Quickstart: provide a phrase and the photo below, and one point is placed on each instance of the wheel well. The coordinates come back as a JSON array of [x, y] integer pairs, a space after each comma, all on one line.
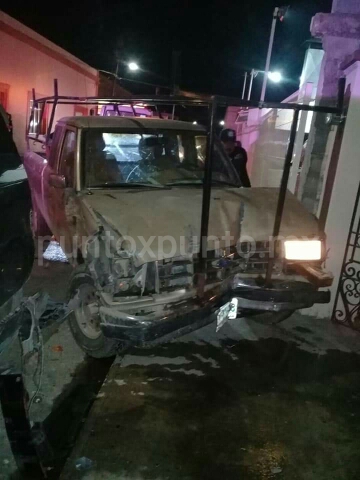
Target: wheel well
[[79, 258]]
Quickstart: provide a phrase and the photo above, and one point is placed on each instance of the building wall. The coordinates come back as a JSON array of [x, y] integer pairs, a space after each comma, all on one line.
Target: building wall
[[344, 189], [339, 32], [345, 6], [28, 60]]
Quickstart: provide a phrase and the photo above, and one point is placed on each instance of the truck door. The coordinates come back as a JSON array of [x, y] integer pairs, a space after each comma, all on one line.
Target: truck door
[[61, 189], [48, 170]]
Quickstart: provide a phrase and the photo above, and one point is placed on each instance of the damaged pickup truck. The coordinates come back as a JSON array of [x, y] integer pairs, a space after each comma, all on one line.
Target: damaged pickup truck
[[124, 198]]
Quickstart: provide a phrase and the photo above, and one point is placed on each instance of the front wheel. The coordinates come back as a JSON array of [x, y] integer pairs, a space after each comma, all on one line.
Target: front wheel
[[84, 321]]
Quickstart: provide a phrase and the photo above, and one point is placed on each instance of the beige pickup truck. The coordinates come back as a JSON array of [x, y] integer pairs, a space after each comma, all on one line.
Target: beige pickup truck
[[124, 198]]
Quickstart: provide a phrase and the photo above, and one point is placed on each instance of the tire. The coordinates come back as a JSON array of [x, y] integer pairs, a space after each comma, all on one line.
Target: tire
[[83, 325], [270, 318]]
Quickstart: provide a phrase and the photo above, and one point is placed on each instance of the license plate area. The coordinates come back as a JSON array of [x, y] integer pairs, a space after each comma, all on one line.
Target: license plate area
[[226, 312]]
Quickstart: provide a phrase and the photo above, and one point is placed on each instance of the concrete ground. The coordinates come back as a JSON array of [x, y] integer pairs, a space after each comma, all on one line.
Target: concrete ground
[[248, 402]]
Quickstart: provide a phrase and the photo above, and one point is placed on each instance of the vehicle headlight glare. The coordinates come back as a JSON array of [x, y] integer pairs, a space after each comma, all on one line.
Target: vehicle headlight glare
[[302, 249]]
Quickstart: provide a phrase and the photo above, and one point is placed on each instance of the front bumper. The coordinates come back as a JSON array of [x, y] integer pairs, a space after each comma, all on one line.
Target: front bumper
[[185, 316]]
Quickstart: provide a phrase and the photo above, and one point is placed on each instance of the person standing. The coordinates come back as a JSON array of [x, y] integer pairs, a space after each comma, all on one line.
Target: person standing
[[236, 153]]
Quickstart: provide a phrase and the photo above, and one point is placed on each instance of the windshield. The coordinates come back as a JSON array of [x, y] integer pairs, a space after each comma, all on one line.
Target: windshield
[[159, 158]]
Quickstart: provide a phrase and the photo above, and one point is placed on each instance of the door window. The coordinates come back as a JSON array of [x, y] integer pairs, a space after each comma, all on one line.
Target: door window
[[67, 158]]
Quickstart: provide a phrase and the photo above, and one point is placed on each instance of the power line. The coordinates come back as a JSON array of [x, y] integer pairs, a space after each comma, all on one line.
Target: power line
[[135, 81]]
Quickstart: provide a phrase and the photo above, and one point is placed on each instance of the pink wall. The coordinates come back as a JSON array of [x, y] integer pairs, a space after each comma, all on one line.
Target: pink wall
[[28, 61]]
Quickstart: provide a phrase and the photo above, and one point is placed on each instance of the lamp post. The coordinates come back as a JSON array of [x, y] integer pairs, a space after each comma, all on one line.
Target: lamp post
[[275, 77], [253, 74], [279, 13]]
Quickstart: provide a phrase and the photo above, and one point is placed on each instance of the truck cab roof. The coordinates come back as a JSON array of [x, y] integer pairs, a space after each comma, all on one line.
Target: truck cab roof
[[128, 122]]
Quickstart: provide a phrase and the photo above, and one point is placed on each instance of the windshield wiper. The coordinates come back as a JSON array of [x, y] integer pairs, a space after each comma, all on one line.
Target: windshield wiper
[[198, 181], [225, 182], [128, 185], [186, 181]]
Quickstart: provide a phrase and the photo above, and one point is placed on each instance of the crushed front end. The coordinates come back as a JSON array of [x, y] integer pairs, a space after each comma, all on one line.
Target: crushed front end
[[141, 303]]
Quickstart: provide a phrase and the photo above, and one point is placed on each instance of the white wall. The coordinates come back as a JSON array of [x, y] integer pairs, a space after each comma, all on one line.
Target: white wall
[[28, 61], [344, 189]]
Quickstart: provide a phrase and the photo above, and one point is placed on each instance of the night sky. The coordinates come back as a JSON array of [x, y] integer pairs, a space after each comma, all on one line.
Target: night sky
[[217, 43]]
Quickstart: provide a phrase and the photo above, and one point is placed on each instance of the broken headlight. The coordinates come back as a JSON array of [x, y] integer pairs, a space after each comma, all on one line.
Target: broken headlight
[[152, 277], [127, 279], [131, 280]]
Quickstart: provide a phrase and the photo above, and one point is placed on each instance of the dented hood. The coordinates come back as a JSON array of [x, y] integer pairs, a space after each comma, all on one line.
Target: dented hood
[[242, 212]]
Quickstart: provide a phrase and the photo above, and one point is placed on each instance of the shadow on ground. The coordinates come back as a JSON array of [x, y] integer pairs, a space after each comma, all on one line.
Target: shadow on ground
[[251, 409]]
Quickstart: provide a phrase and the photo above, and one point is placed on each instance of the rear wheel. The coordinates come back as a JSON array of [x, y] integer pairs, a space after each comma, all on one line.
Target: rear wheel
[[84, 321]]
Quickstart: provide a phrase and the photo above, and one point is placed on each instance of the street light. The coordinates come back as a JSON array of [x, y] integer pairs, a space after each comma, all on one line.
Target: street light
[[278, 14], [133, 66], [275, 77], [222, 123]]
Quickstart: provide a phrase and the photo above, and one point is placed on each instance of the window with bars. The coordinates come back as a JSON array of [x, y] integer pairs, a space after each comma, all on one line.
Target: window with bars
[[4, 95]]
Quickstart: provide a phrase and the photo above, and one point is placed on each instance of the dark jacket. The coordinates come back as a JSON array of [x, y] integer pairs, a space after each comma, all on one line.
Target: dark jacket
[[239, 160]]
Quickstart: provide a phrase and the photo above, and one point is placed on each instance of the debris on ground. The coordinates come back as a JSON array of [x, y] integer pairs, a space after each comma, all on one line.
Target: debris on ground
[[54, 253], [120, 383], [84, 463], [57, 348]]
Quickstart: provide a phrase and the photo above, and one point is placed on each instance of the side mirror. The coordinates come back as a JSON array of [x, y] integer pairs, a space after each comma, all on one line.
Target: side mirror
[[57, 181]]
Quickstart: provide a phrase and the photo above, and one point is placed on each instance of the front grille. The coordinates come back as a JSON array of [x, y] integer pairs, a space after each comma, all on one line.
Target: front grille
[[175, 273], [253, 261], [179, 272]]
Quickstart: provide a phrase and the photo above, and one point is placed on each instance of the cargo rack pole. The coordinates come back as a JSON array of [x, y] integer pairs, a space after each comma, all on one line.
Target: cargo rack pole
[[282, 194], [56, 96], [211, 102], [31, 118], [206, 200]]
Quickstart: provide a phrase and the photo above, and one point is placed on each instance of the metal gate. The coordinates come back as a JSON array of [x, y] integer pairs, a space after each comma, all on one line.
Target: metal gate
[[347, 301]]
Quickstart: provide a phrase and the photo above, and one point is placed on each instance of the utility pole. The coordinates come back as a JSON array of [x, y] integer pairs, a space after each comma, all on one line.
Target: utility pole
[[118, 54], [269, 52], [115, 78], [279, 13], [175, 74], [244, 86]]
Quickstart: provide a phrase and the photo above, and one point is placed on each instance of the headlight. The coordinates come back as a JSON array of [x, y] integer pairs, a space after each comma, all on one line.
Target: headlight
[[302, 249]]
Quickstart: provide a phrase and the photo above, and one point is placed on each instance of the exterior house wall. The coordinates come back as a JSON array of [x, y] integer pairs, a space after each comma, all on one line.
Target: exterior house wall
[[345, 187], [345, 6], [340, 35], [28, 60]]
